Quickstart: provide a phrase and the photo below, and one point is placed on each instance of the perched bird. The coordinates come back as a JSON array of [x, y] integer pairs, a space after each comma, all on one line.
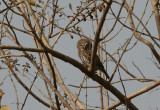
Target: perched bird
[[84, 47]]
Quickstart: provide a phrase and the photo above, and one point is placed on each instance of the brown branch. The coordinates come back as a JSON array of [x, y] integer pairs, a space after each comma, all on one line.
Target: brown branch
[[136, 79], [31, 29], [138, 69], [83, 86], [78, 65], [117, 17], [144, 26], [137, 36], [25, 87], [98, 31], [77, 96], [43, 75], [54, 79], [130, 74], [15, 90], [28, 92], [118, 62], [156, 14], [49, 83], [135, 94]]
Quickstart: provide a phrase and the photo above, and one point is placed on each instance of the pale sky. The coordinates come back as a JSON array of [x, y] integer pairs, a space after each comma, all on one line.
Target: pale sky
[[140, 55]]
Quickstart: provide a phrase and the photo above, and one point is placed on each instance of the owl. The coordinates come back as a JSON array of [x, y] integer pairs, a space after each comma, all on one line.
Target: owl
[[84, 47]]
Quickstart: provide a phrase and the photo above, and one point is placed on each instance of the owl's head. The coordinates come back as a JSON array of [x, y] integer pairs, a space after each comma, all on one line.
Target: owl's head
[[84, 44]]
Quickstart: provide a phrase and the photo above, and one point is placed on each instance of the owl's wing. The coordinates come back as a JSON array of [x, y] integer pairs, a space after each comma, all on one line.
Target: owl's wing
[[85, 56], [100, 66]]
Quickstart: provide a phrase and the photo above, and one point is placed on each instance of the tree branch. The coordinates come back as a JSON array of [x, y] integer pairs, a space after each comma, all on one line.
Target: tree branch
[[156, 14], [98, 31], [135, 94], [137, 36], [78, 65]]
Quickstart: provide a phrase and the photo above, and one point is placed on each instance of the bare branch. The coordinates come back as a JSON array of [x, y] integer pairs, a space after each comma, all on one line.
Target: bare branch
[[155, 4], [135, 94], [75, 63], [98, 31]]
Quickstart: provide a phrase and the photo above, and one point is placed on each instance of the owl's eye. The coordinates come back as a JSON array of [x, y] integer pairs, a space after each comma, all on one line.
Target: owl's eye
[[88, 46]]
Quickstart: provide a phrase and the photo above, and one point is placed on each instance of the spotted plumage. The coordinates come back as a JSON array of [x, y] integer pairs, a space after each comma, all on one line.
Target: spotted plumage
[[84, 47]]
